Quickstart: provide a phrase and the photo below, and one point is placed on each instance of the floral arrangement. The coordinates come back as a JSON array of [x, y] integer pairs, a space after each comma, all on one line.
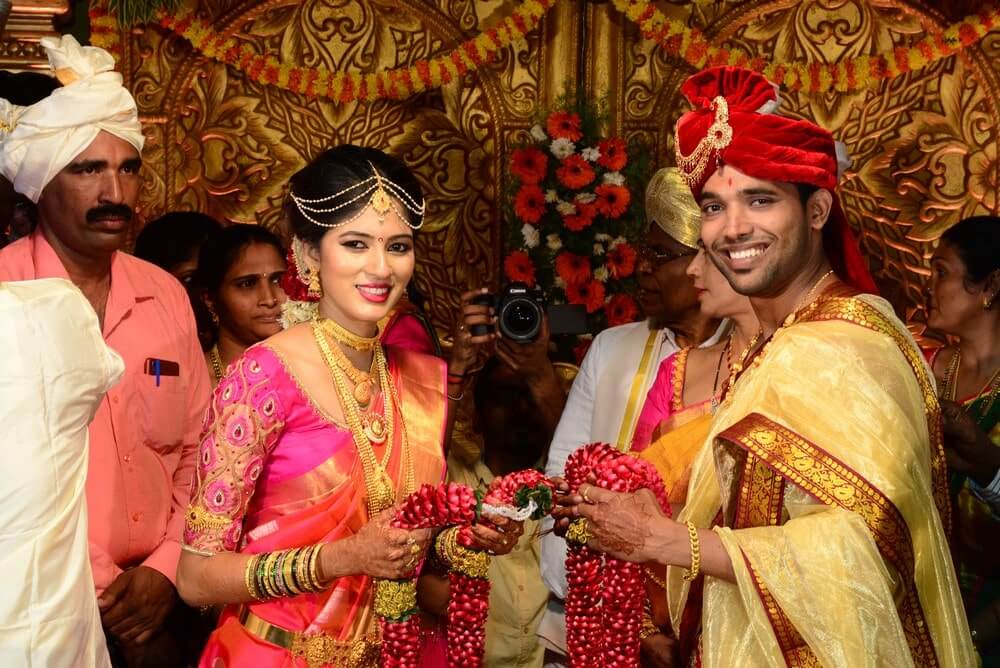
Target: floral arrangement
[[575, 213], [604, 601], [519, 495]]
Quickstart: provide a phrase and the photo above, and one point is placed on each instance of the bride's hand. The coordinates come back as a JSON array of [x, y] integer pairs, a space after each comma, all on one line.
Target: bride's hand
[[382, 551], [501, 539]]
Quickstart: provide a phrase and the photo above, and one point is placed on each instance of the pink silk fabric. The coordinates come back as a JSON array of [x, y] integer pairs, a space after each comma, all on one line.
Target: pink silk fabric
[[274, 473], [659, 404]]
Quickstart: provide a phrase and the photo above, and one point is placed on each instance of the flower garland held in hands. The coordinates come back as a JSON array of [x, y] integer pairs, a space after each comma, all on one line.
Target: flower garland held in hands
[[575, 215], [341, 87], [519, 496], [605, 598]]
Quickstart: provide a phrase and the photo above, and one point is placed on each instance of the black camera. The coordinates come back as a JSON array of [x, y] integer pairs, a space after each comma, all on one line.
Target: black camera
[[520, 310]]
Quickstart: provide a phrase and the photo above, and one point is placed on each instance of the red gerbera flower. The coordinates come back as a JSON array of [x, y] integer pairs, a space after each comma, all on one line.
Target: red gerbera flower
[[577, 223], [573, 268], [612, 201], [519, 267], [564, 125], [621, 260], [621, 309], [529, 203], [613, 155], [575, 172], [580, 350], [528, 164], [586, 209], [589, 293]]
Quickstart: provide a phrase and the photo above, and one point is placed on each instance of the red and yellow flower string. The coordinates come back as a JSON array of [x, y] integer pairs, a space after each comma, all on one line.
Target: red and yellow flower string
[[343, 87], [691, 45]]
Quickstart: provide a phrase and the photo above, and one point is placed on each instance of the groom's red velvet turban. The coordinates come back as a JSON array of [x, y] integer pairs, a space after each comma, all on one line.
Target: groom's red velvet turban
[[733, 124]]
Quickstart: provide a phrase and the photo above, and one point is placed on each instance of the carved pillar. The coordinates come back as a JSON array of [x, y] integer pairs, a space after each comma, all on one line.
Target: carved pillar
[[28, 22]]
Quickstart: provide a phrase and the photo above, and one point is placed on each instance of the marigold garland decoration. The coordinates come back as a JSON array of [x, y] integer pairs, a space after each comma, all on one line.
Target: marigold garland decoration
[[342, 87], [673, 36], [604, 601], [691, 45], [574, 215]]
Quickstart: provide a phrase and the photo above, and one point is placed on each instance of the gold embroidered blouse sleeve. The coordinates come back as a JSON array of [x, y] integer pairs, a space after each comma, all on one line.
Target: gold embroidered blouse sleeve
[[243, 423]]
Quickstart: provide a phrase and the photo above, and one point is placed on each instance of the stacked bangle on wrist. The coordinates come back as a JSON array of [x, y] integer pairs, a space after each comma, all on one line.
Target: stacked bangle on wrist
[[283, 573]]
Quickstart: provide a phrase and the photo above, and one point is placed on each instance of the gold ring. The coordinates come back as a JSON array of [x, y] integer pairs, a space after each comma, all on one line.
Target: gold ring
[[414, 549], [579, 531], [585, 497]]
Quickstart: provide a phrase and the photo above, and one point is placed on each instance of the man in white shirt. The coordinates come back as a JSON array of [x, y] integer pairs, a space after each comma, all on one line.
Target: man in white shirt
[[55, 373], [608, 394]]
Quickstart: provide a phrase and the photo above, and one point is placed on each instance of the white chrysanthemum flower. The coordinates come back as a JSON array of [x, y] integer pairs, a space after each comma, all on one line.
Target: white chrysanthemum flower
[[553, 242], [585, 198], [538, 133], [614, 178], [601, 274], [602, 237], [551, 196], [566, 208], [562, 148], [293, 312], [591, 154], [531, 235], [598, 249]]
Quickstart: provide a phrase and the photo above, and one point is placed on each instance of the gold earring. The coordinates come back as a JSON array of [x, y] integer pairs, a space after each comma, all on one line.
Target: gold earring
[[315, 288], [988, 302]]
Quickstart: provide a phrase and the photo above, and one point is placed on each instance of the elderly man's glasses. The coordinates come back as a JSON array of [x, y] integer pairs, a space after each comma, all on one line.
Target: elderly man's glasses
[[658, 256]]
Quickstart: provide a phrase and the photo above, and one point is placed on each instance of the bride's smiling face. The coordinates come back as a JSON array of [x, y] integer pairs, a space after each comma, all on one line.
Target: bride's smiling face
[[364, 267]]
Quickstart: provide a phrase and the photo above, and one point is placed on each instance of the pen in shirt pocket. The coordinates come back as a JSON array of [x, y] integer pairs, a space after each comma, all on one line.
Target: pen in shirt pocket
[[157, 367]]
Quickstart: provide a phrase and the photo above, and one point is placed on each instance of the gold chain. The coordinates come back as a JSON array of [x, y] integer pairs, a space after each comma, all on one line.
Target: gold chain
[[381, 491], [216, 358], [949, 383], [341, 335]]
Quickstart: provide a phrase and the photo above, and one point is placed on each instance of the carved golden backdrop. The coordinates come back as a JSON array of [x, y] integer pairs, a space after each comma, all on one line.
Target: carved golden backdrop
[[924, 144]]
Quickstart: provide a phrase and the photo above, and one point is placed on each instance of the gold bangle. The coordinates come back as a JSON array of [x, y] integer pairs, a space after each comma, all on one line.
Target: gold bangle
[[441, 544], [692, 573], [288, 571], [313, 570], [474, 563], [250, 578], [267, 577], [648, 627]]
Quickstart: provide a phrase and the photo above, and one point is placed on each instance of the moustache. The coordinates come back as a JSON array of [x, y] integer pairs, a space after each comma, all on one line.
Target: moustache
[[110, 211]]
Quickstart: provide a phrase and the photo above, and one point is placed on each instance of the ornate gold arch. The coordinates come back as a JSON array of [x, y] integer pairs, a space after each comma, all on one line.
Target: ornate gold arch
[[924, 145]]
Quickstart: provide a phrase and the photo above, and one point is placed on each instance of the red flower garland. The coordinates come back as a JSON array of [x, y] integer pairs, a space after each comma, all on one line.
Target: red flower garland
[[606, 635], [454, 504]]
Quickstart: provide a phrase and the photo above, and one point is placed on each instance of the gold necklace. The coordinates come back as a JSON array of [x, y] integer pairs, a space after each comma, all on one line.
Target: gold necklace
[[737, 368], [950, 383], [364, 382], [341, 335], [216, 358], [378, 484], [374, 425]]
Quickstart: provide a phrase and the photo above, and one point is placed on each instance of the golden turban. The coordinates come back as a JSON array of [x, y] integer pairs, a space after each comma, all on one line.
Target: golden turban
[[671, 206]]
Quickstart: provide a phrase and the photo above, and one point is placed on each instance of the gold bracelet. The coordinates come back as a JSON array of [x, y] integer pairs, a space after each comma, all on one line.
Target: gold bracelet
[[288, 571], [648, 627], [313, 570], [301, 566], [692, 573], [250, 578], [441, 544], [267, 577], [474, 563]]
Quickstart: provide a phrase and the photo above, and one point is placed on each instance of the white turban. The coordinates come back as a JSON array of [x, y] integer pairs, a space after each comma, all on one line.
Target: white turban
[[37, 142]]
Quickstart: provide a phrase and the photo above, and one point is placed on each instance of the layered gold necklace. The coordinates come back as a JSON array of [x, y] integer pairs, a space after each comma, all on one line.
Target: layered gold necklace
[[368, 428], [949, 383]]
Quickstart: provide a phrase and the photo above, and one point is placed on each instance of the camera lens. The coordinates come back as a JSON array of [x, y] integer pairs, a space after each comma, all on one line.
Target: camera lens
[[520, 319]]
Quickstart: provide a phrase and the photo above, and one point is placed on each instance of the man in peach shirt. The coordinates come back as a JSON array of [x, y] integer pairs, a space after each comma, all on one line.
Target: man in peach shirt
[[82, 171]]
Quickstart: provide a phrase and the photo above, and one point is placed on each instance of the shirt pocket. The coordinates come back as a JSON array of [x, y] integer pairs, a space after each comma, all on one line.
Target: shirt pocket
[[162, 412]]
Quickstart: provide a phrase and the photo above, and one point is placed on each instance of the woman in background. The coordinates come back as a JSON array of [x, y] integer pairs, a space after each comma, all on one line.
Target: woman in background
[[238, 281], [963, 304]]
